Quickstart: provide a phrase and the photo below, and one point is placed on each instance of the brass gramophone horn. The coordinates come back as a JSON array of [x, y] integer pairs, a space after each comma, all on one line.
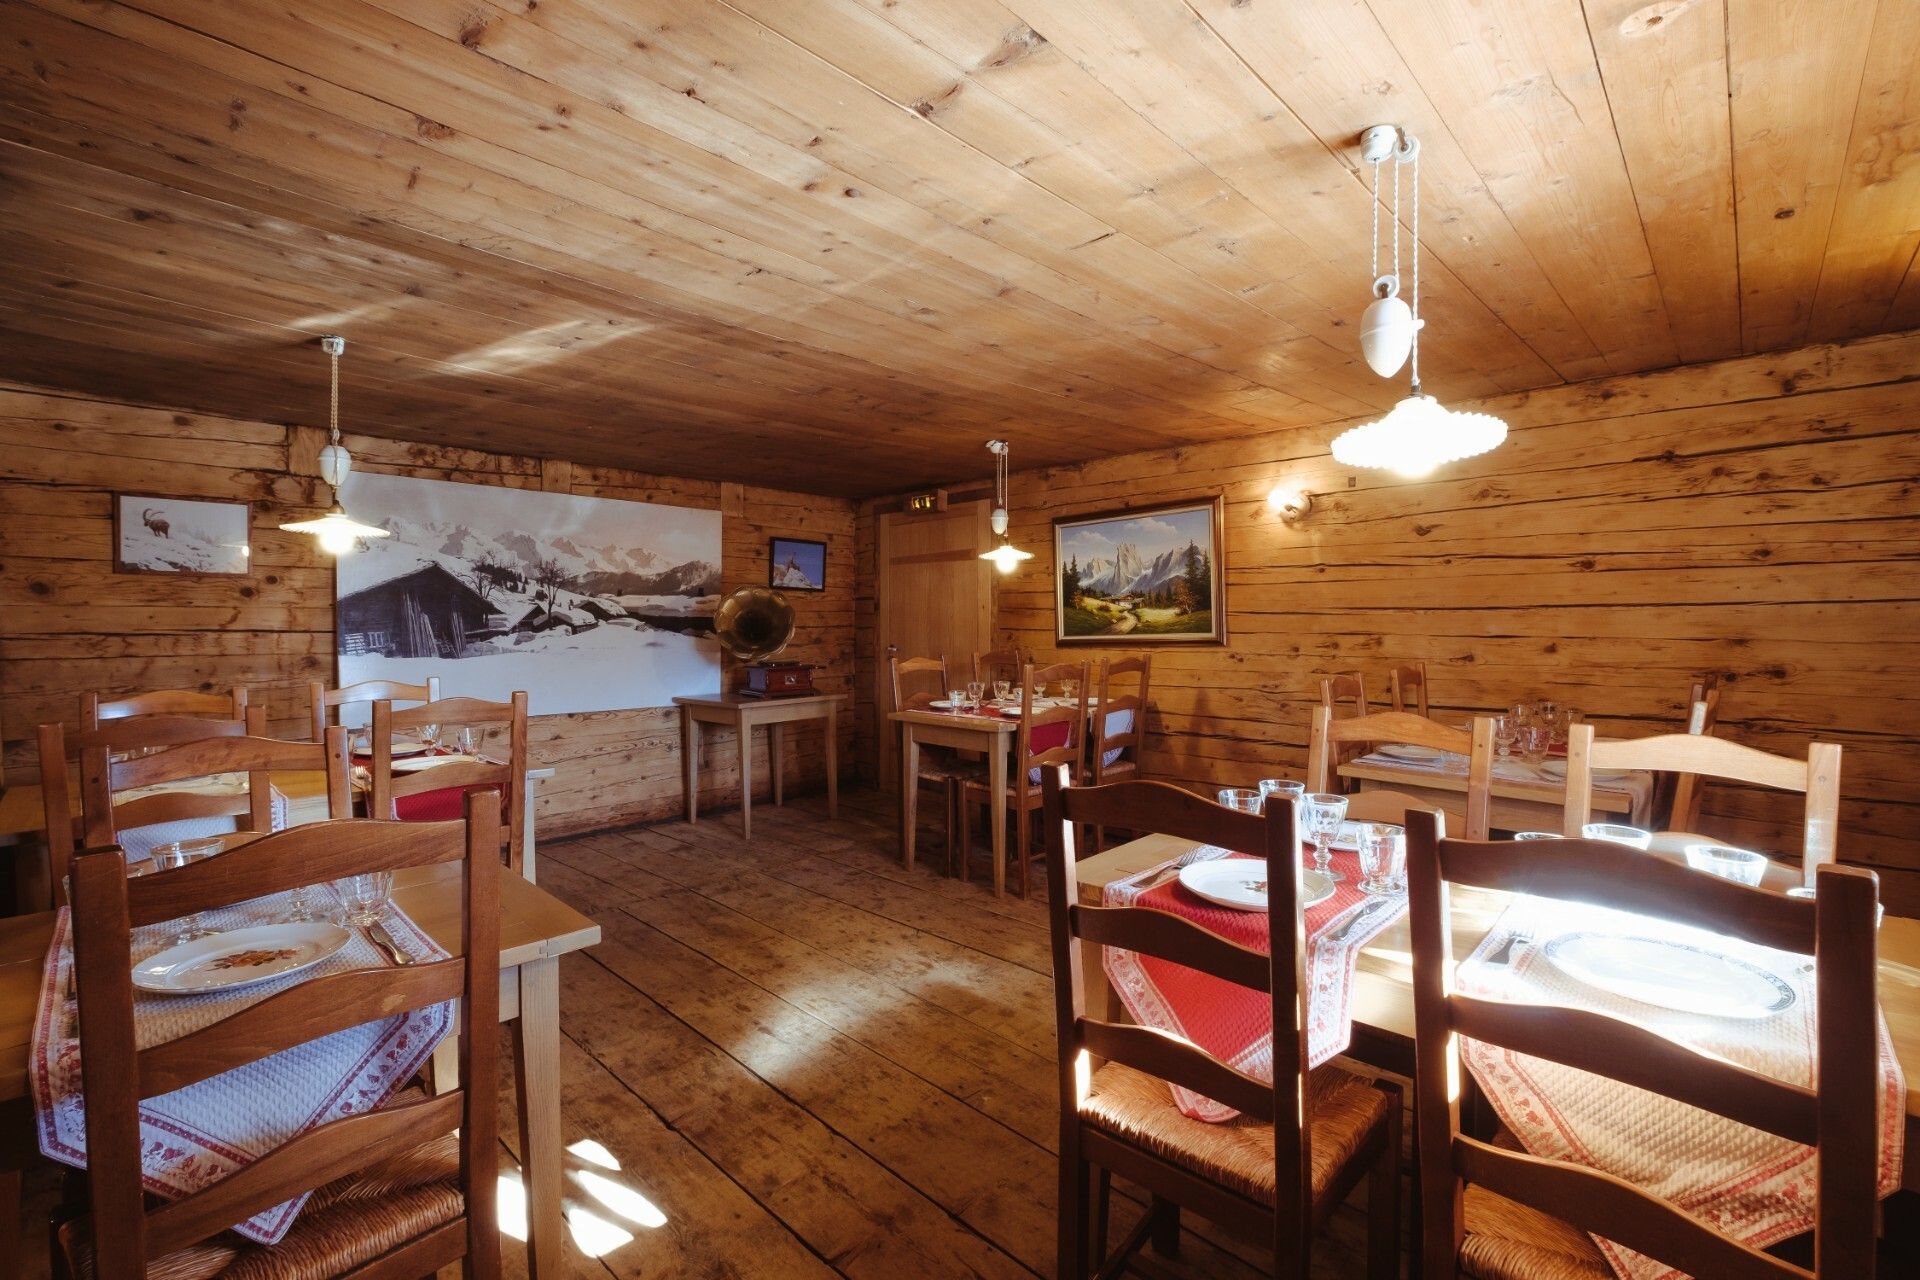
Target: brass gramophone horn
[[754, 623]]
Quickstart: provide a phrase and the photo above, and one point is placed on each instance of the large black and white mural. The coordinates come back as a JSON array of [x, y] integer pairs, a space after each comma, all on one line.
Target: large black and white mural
[[589, 604]]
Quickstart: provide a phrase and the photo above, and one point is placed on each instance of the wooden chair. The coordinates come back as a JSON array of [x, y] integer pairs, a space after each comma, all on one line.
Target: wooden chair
[[1264, 1173], [402, 1190], [1696, 757], [163, 702], [1350, 688], [1114, 752], [1046, 737], [1526, 1215], [325, 699], [1348, 691], [508, 776], [1702, 718], [1407, 688], [938, 765], [1329, 739], [161, 743], [998, 664]]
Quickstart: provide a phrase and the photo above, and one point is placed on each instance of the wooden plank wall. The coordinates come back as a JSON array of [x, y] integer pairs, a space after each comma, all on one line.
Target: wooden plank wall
[[69, 623], [1759, 517]]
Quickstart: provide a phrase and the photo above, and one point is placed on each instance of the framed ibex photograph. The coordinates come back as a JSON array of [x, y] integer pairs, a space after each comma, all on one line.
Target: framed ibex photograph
[[154, 534]]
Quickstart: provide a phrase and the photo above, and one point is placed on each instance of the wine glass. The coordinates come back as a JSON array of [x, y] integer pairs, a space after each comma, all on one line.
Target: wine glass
[[1325, 812], [176, 854], [1070, 688], [976, 691], [1506, 731], [1002, 690]]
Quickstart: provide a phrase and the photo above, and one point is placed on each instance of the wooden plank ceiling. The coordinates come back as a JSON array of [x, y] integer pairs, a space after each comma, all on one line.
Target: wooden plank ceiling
[[837, 244]]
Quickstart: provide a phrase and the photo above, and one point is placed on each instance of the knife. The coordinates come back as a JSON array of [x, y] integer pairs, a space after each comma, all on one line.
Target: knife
[[384, 940]]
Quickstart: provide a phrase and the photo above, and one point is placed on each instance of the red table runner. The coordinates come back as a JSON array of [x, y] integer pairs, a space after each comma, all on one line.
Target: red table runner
[[1231, 1022]]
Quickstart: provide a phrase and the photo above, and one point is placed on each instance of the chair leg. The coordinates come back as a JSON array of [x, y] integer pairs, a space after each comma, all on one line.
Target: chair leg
[[965, 811], [1166, 1227], [1076, 1227], [1383, 1201], [1102, 1205], [1023, 832]]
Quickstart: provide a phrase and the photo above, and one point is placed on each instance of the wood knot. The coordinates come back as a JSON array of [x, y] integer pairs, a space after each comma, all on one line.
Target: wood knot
[[473, 32]]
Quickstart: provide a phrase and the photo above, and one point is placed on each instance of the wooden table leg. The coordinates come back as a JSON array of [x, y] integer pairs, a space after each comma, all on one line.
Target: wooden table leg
[[746, 779], [909, 793], [529, 860], [997, 807], [776, 761], [690, 761], [536, 1053], [833, 760]]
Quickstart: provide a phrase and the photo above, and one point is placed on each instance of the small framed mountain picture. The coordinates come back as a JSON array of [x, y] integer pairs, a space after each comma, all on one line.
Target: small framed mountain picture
[[795, 564], [1150, 575], [180, 535]]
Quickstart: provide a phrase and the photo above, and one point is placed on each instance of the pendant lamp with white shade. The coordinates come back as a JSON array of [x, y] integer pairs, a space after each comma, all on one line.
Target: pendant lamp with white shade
[[336, 530], [1006, 557], [1418, 434]]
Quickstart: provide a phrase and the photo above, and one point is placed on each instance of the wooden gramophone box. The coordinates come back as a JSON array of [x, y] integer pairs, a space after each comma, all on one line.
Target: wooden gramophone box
[[779, 679]]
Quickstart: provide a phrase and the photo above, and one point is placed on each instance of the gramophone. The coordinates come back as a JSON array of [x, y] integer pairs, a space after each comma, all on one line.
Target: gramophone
[[753, 624]]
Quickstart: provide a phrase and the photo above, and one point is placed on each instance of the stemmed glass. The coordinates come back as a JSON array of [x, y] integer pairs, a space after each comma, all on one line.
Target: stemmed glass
[[177, 854], [975, 692], [1506, 732], [1325, 812], [1002, 690]]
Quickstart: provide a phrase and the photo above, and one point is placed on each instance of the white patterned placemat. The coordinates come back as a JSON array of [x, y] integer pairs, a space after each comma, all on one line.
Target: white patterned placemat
[[198, 1135]]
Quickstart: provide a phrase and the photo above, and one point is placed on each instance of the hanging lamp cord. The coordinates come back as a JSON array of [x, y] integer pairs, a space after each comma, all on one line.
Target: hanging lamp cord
[[1416, 255]]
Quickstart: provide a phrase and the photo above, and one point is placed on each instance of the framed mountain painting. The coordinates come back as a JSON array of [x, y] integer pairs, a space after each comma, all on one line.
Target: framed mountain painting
[[1150, 575]]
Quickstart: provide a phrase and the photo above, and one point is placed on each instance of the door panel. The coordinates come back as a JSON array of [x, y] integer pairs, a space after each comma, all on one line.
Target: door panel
[[934, 595]]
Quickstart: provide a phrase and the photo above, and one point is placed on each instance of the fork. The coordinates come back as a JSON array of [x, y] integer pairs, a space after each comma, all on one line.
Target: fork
[[1517, 938]]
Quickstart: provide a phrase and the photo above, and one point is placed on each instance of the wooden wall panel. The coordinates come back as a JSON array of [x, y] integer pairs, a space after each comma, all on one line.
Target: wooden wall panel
[[69, 623], [1759, 517]]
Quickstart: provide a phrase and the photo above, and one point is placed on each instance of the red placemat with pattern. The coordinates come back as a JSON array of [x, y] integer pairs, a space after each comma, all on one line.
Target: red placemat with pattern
[[1229, 1021]]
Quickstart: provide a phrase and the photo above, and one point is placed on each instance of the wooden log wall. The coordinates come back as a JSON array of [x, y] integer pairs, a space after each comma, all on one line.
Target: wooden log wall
[[1757, 517], [68, 623]]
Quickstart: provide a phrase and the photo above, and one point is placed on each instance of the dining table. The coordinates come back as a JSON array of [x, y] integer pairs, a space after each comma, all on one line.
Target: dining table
[[23, 820], [536, 929], [1525, 795], [1381, 999]]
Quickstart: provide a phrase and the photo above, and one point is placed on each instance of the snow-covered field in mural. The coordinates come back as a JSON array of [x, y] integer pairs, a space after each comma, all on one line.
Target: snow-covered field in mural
[[589, 604]]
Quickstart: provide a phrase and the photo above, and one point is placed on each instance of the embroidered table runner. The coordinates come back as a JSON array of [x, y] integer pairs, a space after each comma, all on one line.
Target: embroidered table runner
[[1752, 1185], [1231, 1022], [198, 1135]]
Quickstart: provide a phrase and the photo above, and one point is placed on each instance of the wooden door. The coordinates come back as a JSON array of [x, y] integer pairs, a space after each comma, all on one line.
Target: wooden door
[[934, 595]]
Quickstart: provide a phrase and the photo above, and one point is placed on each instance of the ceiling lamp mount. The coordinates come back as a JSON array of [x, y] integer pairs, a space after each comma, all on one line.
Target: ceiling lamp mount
[[1006, 557], [337, 531], [1418, 434]]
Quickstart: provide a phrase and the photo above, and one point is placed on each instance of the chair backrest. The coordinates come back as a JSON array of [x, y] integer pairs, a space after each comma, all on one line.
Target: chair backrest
[[999, 664], [1350, 688], [1696, 757], [323, 699], [1407, 688], [156, 749], [508, 776], [1118, 705], [1330, 741], [163, 702], [117, 1074], [1066, 745], [1157, 807], [901, 672], [1375, 805], [1838, 1118], [1703, 715]]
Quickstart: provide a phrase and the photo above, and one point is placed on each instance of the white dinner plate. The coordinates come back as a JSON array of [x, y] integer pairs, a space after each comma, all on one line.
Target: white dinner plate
[[409, 748], [1673, 975], [1241, 883], [238, 958], [1407, 751], [1554, 768], [428, 762]]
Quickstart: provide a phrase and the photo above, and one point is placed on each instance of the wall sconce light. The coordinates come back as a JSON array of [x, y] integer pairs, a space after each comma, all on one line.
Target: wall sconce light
[[1291, 504]]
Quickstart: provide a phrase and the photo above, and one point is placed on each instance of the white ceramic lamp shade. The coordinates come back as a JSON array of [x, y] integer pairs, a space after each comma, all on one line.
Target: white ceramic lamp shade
[[1386, 334]]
